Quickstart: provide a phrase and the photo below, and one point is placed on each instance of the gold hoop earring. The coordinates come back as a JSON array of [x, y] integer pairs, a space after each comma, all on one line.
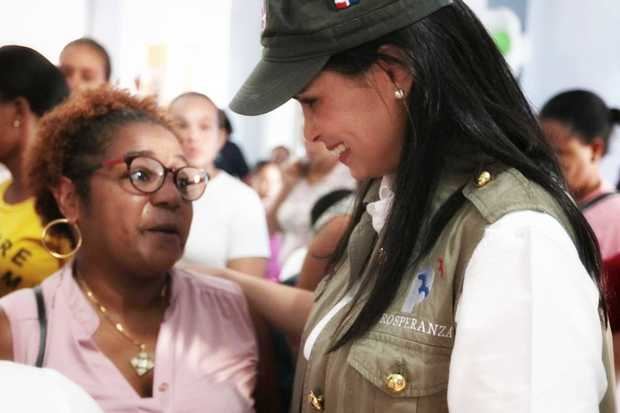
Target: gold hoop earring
[[74, 228], [399, 94]]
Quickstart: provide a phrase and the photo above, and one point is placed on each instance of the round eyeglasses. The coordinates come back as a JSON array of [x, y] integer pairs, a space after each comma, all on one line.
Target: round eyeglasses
[[148, 175]]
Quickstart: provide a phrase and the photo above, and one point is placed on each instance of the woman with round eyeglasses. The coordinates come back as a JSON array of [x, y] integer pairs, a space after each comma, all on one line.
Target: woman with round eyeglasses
[[134, 331]]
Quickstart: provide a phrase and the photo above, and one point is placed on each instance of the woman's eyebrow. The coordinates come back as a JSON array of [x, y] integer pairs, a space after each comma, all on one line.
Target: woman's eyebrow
[[151, 154], [140, 153]]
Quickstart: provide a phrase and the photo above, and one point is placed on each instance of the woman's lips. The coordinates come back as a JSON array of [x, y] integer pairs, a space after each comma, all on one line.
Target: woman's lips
[[341, 152], [165, 231]]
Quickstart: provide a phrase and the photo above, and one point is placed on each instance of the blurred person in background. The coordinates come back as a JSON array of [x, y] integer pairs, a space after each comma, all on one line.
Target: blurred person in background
[[578, 125], [329, 218], [280, 155], [136, 332], [230, 158], [86, 64], [229, 228], [304, 182], [30, 86], [266, 179]]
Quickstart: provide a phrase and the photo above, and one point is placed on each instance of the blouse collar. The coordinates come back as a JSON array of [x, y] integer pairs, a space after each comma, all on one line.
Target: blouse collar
[[379, 210], [78, 304]]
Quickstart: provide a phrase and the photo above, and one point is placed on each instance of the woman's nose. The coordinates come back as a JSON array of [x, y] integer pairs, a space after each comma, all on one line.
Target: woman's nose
[[311, 132]]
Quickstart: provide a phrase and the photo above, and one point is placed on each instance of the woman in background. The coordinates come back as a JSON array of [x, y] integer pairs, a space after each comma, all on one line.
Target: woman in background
[[266, 180], [229, 228], [304, 182], [30, 86], [230, 157], [86, 64], [578, 125]]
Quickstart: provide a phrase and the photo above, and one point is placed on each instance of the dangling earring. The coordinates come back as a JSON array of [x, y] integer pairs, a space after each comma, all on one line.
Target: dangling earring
[[399, 94], [17, 123], [76, 232]]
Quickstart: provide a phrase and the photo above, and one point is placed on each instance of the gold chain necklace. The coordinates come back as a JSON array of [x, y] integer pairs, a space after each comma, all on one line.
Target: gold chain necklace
[[144, 361]]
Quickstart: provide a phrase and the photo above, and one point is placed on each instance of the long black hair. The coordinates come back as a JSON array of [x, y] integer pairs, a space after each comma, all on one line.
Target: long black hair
[[465, 107], [583, 112], [27, 74]]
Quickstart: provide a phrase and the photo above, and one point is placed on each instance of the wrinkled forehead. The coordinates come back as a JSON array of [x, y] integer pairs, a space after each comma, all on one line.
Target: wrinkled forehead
[[149, 139]]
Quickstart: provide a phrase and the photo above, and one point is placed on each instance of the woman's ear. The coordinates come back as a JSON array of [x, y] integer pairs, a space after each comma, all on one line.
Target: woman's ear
[[598, 149], [26, 119], [396, 68], [22, 108], [67, 199]]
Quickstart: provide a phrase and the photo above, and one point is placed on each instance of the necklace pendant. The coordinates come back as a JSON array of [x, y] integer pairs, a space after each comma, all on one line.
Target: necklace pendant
[[143, 362]]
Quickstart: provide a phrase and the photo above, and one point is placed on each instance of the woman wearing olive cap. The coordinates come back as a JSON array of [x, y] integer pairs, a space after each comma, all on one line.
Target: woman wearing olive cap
[[468, 279]]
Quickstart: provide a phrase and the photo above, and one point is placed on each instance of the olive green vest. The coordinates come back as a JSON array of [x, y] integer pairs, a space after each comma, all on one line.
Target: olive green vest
[[401, 364]]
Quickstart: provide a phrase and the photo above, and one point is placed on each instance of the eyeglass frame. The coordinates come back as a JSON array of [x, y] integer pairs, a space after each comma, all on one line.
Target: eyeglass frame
[[129, 158]]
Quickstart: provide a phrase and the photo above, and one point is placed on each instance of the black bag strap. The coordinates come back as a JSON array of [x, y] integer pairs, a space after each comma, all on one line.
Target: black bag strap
[[41, 313], [596, 200]]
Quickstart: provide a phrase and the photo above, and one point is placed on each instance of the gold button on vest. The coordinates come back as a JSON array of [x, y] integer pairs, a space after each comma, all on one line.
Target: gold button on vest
[[316, 401], [395, 383], [483, 179]]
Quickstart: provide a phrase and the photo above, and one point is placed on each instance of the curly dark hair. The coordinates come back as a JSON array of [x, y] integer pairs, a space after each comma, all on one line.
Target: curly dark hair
[[73, 138]]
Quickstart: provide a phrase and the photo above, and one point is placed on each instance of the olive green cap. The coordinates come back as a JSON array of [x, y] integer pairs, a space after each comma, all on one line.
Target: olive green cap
[[300, 36]]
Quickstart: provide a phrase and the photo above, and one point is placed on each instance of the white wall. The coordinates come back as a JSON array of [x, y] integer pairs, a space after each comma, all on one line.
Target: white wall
[[42, 24], [206, 46], [260, 133]]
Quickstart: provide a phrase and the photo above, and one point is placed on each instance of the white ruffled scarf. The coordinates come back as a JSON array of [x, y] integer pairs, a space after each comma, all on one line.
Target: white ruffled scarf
[[379, 210]]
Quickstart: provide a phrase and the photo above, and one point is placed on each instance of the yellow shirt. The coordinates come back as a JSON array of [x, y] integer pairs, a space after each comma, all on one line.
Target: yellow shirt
[[24, 262]]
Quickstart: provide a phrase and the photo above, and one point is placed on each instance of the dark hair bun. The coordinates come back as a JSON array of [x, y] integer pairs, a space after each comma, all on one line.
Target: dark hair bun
[[614, 115]]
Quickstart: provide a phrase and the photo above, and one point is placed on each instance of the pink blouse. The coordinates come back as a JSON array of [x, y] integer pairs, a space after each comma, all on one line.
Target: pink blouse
[[604, 218], [206, 353]]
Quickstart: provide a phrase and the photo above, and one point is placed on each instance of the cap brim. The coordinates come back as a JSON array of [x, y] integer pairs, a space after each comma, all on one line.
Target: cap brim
[[271, 84]]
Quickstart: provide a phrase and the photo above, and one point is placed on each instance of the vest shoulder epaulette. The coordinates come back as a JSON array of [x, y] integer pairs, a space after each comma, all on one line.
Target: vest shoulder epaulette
[[510, 191]]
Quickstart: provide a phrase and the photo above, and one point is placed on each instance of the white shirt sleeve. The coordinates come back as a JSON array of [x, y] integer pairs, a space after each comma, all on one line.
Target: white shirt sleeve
[[29, 389], [249, 237], [528, 336], [74, 398]]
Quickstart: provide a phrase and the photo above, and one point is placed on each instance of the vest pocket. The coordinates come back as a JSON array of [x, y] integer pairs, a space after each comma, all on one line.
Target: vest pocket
[[404, 375]]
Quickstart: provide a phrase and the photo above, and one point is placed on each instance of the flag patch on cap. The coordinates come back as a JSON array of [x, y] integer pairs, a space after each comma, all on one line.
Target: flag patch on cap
[[345, 4]]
